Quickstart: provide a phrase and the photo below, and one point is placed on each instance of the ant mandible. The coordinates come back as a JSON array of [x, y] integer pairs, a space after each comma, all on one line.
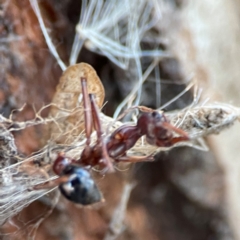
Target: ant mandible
[[75, 182]]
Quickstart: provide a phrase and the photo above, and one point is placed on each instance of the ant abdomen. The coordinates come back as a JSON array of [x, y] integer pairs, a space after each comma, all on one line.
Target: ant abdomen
[[80, 187]]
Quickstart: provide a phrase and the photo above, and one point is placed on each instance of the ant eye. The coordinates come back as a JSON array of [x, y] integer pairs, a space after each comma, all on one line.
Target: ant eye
[[156, 115]]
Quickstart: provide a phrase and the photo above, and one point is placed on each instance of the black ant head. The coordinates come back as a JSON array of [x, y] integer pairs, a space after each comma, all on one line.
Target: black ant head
[[80, 188]]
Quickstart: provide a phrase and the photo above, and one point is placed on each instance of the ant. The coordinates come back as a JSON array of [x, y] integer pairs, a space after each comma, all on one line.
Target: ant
[[75, 182]]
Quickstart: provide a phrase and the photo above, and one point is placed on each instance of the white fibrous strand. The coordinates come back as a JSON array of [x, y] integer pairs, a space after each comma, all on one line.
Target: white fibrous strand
[[203, 120], [17, 180], [115, 29]]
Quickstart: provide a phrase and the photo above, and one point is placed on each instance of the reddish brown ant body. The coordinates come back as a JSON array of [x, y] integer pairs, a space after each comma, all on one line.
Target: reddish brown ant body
[[152, 124], [75, 182]]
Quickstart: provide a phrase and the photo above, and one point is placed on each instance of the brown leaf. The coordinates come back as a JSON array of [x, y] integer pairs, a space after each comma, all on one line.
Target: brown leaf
[[68, 108]]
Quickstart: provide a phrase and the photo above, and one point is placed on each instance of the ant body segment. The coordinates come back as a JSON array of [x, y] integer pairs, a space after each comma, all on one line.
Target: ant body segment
[[80, 187], [75, 182]]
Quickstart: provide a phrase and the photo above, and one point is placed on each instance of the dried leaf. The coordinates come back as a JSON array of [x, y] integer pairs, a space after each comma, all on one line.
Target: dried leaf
[[67, 109]]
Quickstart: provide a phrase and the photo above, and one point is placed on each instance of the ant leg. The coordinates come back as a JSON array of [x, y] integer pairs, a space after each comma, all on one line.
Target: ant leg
[[145, 109], [167, 142], [98, 128], [87, 111], [50, 184], [96, 118], [177, 139], [183, 135], [135, 159]]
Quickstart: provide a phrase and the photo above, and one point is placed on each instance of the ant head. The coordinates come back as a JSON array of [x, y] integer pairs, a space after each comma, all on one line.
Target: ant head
[[149, 118], [158, 117], [80, 188]]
